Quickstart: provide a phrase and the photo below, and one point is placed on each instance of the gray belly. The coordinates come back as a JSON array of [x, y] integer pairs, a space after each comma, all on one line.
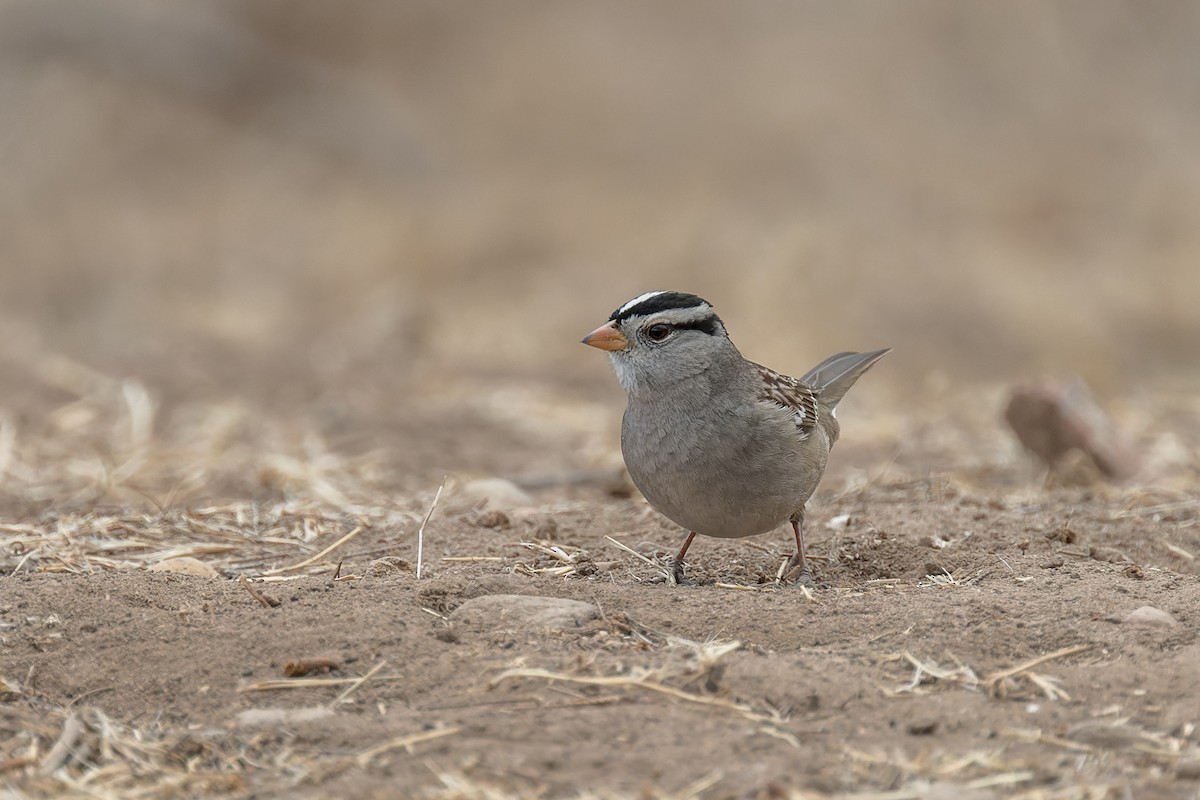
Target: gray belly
[[744, 477]]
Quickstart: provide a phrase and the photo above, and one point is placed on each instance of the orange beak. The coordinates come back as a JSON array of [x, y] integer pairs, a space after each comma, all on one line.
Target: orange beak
[[607, 337]]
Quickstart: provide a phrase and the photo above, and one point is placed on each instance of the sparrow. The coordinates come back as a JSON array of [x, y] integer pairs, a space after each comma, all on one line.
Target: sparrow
[[718, 444]]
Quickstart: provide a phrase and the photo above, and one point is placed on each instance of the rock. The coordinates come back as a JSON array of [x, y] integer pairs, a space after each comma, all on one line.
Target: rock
[[492, 519], [494, 494], [1053, 562], [1150, 616], [1056, 416], [525, 612], [185, 565], [388, 565]]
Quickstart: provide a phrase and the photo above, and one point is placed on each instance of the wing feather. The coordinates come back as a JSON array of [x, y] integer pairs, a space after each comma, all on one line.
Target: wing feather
[[792, 394]]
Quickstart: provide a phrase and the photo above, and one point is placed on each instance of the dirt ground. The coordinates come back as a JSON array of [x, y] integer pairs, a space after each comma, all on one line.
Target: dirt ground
[[272, 272], [968, 635]]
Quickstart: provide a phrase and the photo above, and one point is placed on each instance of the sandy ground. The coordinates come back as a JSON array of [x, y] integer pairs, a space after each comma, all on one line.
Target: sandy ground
[[271, 272], [968, 636]]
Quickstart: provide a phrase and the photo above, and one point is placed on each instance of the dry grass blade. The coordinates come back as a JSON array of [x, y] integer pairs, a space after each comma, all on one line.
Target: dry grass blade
[[626, 548], [64, 746], [698, 787], [1187, 555], [364, 758], [995, 681], [556, 553], [421, 530], [961, 675], [1043, 738], [267, 602], [646, 680], [318, 556], [308, 683], [341, 698]]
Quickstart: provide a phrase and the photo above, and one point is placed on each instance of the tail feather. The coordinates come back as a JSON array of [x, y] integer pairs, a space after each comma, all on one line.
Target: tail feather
[[834, 376]]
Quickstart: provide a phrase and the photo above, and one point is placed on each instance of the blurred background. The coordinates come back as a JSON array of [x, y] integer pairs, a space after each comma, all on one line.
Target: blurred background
[[349, 212]]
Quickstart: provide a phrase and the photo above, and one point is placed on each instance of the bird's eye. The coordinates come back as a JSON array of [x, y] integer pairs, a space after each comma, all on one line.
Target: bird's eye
[[658, 332]]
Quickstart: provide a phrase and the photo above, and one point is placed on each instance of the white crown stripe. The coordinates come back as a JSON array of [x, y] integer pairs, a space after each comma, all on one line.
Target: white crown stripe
[[638, 301]]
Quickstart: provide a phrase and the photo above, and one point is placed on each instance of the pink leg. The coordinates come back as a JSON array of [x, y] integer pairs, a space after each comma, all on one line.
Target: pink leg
[[798, 560], [678, 571]]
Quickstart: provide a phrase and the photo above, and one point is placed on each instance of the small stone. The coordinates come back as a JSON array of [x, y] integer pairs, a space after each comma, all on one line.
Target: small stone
[[388, 565], [494, 518], [495, 494], [1054, 562], [525, 612], [1056, 416], [1064, 535], [1150, 616], [1134, 571], [1108, 555]]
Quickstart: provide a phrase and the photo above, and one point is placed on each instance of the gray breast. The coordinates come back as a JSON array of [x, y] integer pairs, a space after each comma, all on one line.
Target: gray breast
[[725, 470]]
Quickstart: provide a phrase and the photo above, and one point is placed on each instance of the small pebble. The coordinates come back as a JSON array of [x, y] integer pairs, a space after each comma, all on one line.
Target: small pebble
[[525, 612], [495, 494], [388, 565], [494, 518], [1150, 616]]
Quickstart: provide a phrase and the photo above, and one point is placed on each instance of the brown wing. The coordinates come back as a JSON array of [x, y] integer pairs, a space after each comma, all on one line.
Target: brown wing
[[792, 394]]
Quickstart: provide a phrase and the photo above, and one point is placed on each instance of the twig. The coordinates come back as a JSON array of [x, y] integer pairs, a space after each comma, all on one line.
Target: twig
[[553, 552], [634, 553], [996, 678], [308, 683], [350, 689], [700, 786], [267, 602], [21, 563], [318, 556], [64, 747], [424, 522], [1002, 779], [645, 681], [364, 758], [1176, 549]]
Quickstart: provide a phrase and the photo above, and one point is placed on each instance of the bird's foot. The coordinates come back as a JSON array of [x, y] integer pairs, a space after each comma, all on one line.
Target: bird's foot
[[678, 578], [798, 573]]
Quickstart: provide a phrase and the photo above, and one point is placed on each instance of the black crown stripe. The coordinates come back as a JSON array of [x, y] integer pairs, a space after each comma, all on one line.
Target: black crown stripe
[[658, 303]]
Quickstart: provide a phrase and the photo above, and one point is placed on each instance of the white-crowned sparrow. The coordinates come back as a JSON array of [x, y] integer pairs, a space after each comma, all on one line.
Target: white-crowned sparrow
[[720, 445]]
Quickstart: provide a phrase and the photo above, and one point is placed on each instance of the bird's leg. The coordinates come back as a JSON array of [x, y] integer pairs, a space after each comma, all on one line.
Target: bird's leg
[[798, 564], [677, 572]]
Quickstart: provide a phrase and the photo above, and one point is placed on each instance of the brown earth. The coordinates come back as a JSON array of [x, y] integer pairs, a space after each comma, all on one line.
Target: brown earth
[[270, 272], [965, 639]]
